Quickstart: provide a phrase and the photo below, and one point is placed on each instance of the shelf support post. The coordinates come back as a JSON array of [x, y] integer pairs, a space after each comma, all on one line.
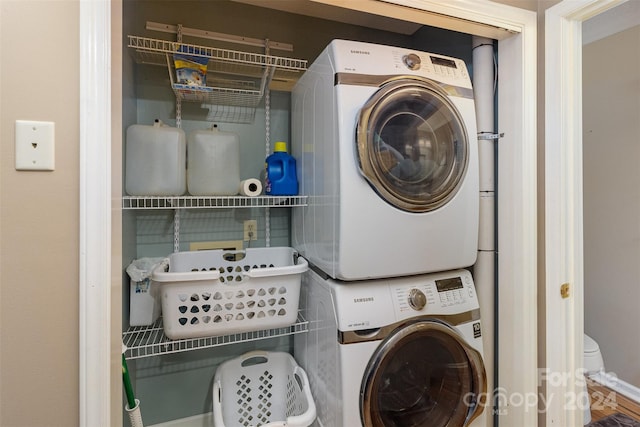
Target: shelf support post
[[176, 230]]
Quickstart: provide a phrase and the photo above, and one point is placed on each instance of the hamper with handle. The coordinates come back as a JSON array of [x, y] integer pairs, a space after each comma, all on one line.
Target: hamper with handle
[[259, 388], [217, 292]]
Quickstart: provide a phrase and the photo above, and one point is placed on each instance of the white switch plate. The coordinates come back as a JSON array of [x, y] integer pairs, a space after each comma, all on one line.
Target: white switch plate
[[35, 145]]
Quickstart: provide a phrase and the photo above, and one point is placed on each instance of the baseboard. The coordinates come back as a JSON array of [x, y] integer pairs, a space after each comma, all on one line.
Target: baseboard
[[618, 385]]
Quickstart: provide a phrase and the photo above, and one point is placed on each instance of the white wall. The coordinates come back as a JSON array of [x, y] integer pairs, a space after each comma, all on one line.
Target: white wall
[[611, 144]]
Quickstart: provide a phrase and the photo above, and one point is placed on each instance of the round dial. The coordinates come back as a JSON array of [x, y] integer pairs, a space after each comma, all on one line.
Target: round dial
[[412, 61], [417, 299]]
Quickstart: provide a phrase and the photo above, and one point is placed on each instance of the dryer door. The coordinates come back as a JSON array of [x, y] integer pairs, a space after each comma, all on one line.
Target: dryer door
[[423, 375], [412, 144]]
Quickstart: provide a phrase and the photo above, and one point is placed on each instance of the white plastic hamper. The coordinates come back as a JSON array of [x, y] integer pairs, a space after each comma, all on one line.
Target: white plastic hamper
[[217, 292], [265, 389]]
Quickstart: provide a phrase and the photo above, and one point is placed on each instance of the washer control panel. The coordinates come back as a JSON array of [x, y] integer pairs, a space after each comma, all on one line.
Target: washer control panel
[[439, 294], [381, 302]]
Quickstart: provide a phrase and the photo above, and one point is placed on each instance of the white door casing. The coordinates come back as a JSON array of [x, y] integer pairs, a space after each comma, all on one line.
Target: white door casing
[[95, 215], [564, 317]]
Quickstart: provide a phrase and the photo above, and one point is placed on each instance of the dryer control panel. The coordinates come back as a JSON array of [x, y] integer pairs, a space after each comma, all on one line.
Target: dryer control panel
[[372, 59], [431, 65]]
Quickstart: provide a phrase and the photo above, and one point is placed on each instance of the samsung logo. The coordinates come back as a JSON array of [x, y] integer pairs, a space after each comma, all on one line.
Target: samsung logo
[[368, 299], [361, 52]]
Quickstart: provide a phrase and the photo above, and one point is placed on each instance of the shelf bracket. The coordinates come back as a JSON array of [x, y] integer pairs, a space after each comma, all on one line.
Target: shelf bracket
[[210, 35]]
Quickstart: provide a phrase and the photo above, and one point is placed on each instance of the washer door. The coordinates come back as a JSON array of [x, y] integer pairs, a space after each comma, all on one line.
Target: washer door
[[423, 375], [412, 144]]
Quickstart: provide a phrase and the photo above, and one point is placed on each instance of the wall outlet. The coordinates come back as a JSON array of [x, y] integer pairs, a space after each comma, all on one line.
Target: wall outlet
[[250, 230], [35, 145]]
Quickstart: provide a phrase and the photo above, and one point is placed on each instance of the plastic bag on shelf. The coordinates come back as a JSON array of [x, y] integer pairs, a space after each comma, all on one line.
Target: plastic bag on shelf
[[141, 269]]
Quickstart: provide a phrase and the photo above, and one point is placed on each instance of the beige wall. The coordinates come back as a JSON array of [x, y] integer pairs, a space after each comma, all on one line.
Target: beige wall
[[39, 60], [611, 152]]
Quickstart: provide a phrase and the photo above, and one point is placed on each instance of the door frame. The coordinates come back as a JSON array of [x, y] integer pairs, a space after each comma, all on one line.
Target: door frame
[[100, 271], [563, 318], [98, 351]]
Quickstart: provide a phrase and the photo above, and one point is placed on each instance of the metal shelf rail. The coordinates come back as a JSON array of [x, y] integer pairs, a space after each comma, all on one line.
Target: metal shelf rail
[[211, 202], [148, 341]]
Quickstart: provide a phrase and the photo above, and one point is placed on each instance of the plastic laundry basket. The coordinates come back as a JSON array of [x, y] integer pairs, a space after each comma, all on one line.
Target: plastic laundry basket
[[217, 292], [261, 388]]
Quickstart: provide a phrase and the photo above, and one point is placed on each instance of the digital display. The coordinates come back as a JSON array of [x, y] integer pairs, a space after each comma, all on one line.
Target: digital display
[[443, 61], [449, 284]]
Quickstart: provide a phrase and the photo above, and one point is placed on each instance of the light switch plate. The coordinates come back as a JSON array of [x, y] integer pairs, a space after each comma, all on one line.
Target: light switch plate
[[35, 145]]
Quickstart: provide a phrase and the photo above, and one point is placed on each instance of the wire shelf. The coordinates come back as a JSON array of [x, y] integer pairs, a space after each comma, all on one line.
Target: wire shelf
[[148, 47], [147, 341], [234, 78], [211, 202], [230, 113]]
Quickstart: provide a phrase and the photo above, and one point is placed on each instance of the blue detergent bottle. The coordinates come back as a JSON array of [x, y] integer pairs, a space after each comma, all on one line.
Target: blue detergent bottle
[[280, 177]]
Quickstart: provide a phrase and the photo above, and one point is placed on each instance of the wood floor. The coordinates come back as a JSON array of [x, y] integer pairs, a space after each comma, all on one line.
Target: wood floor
[[605, 401]]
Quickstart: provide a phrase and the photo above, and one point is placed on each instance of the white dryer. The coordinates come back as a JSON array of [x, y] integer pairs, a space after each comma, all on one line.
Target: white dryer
[[386, 149], [394, 352]]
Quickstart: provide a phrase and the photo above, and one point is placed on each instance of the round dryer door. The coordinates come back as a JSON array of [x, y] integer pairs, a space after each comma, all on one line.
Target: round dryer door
[[412, 144], [423, 375]]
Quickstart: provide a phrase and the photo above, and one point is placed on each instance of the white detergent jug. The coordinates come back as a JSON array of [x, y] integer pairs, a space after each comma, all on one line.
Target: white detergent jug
[[213, 167], [155, 160]]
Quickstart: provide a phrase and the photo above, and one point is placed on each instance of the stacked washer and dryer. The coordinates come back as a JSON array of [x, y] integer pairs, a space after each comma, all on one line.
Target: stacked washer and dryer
[[385, 143]]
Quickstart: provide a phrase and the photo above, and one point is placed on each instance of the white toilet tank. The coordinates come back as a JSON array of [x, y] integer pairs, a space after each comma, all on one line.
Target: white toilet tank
[[592, 357]]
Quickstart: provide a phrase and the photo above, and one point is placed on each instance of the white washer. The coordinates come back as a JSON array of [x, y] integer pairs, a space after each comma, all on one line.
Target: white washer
[[386, 150], [394, 352]]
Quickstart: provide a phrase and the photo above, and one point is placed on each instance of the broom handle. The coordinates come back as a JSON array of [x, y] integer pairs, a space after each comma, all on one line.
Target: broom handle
[[127, 384]]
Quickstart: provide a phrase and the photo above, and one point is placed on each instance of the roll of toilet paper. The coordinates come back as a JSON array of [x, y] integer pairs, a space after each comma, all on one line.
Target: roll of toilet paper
[[251, 187]]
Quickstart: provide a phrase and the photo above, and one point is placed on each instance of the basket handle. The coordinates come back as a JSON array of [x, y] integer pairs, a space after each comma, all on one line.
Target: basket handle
[[160, 274], [309, 415], [217, 404], [301, 266], [234, 256], [260, 356]]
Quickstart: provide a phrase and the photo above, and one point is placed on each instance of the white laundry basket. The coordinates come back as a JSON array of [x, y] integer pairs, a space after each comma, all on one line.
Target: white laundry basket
[[217, 292], [259, 388]]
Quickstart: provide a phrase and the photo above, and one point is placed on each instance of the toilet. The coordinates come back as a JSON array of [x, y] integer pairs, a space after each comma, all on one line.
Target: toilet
[[592, 357], [593, 363]]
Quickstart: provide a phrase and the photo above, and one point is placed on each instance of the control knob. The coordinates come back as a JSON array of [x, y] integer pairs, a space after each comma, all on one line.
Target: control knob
[[417, 299], [412, 61]]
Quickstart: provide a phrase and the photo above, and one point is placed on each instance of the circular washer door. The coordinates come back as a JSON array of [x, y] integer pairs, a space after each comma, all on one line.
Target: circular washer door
[[423, 375], [412, 144]]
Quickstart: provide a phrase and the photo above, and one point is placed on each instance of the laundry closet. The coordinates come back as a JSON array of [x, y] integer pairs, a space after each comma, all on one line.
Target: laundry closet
[[174, 381]]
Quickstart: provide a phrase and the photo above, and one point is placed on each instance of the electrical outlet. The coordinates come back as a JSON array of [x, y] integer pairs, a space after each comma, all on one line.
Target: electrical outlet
[[250, 230], [35, 148]]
